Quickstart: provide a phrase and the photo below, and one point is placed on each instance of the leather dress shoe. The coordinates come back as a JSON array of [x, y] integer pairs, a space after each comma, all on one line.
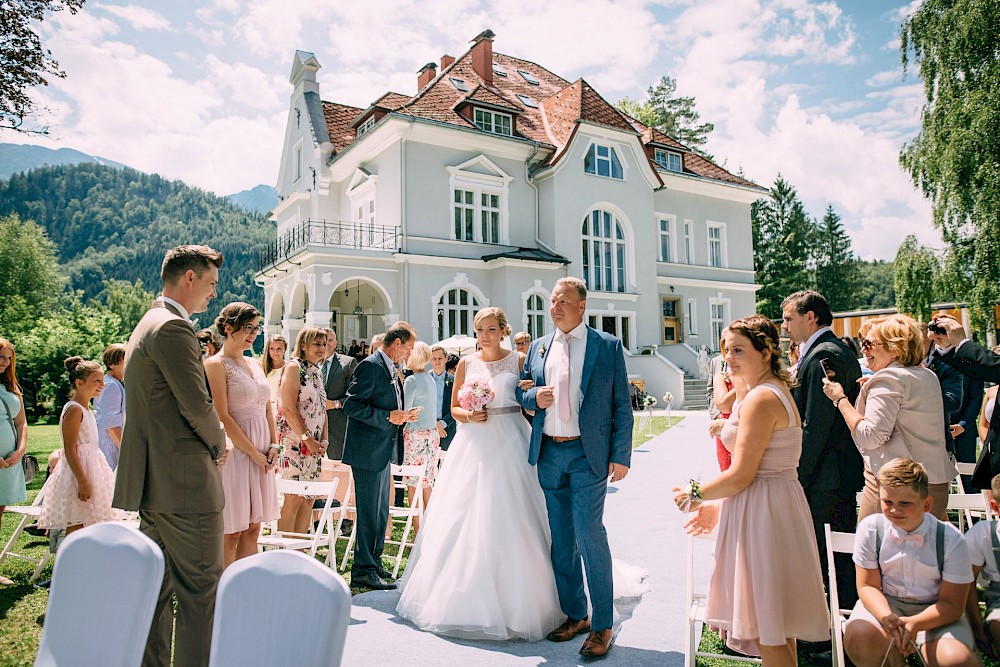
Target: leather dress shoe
[[372, 581], [598, 643], [569, 629], [383, 573]]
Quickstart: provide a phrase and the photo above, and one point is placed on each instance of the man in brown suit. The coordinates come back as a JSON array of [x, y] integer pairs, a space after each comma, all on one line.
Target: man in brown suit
[[171, 448]]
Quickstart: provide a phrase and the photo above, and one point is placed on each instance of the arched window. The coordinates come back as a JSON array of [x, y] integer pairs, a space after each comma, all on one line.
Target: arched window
[[603, 252], [455, 310], [535, 309]]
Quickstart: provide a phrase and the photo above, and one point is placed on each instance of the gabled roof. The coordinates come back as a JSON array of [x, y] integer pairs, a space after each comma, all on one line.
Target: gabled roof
[[561, 107]]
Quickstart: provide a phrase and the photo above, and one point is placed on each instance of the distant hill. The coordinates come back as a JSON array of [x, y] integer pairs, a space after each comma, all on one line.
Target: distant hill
[[117, 223], [260, 199], [16, 158]]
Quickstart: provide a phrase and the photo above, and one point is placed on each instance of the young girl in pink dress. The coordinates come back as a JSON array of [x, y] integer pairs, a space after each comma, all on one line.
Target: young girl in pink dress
[[79, 493]]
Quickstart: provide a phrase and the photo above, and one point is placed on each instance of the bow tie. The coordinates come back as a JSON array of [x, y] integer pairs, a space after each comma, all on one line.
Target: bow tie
[[916, 538]]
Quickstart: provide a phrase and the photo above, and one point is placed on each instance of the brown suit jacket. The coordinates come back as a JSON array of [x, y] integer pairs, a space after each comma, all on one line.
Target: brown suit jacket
[[172, 434]]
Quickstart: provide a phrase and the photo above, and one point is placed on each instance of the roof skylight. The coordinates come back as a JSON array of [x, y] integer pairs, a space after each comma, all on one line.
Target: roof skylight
[[529, 77], [498, 70], [459, 83], [527, 101]]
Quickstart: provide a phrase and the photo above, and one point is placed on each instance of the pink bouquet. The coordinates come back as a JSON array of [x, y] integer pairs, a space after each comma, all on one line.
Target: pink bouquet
[[475, 395]]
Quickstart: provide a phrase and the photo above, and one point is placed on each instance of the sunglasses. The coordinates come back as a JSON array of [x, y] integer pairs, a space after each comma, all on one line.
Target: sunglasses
[[868, 344]]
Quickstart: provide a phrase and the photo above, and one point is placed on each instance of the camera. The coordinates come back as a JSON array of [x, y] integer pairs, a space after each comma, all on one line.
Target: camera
[[936, 328]]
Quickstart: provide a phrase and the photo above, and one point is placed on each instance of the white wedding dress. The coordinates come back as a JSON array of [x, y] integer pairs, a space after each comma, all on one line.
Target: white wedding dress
[[481, 566]]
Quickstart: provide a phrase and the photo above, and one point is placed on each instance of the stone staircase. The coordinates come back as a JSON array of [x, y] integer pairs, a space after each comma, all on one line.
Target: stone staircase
[[695, 393]]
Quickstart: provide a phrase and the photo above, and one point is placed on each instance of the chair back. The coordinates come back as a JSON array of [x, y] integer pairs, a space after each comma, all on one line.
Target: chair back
[[836, 542], [286, 595], [105, 583]]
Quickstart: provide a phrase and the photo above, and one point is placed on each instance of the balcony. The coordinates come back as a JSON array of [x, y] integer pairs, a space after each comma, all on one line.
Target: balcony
[[328, 234]]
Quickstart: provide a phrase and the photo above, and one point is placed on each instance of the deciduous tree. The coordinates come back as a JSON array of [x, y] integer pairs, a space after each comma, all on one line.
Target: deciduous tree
[[915, 274]]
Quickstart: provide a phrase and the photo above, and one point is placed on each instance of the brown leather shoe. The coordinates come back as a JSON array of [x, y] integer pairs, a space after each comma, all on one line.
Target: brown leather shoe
[[569, 629], [598, 643]]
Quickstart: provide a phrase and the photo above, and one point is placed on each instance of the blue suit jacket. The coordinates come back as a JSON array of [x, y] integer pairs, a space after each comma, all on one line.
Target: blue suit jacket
[[372, 439], [605, 409]]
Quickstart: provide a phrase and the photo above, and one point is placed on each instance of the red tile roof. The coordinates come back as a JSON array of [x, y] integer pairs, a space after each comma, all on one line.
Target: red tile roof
[[561, 105]]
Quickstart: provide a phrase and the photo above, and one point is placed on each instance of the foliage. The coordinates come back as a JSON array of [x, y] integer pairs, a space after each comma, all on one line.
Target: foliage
[[674, 116], [129, 301], [835, 264], [955, 158], [29, 272], [875, 285], [24, 62], [914, 277], [45, 342], [781, 236], [117, 223]]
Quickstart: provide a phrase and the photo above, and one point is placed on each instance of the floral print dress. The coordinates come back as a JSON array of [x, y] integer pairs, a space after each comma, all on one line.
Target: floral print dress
[[299, 463]]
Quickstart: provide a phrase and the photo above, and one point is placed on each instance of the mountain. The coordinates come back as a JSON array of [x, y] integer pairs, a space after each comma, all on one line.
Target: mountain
[[16, 158], [117, 223], [260, 199]]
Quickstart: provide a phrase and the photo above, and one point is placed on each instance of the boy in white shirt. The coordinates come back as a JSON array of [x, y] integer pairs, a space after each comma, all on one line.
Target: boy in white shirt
[[913, 579], [983, 541]]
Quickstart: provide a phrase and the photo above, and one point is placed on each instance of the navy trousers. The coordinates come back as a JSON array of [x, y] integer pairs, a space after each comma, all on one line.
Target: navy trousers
[[574, 498]]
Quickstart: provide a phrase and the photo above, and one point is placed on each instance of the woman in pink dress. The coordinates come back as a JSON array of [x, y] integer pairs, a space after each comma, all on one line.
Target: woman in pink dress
[[766, 589], [242, 397]]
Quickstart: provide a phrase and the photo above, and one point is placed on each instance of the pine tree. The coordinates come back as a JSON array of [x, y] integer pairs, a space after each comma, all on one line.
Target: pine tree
[[674, 116], [781, 233], [836, 266]]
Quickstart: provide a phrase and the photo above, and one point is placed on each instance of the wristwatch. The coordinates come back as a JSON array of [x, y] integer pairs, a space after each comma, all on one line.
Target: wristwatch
[[304, 437]]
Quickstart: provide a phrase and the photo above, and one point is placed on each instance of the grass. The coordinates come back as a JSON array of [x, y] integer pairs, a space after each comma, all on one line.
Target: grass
[[22, 606]]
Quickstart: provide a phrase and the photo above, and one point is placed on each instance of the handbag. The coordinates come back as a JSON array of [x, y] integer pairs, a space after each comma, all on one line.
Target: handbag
[[988, 464], [28, 462]]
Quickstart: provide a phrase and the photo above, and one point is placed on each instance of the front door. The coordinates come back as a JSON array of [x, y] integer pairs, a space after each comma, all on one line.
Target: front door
[[671, 323]]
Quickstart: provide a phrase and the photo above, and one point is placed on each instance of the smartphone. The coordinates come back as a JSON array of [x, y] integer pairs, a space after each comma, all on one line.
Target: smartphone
[[826, 369], [416, 408]]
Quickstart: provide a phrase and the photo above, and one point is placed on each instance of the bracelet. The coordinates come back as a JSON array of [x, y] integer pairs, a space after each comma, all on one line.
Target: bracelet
[[836, 403]]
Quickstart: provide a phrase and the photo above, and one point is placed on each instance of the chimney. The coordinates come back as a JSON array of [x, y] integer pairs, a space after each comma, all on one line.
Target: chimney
[[446, 60], [482, 56], [426, 75]]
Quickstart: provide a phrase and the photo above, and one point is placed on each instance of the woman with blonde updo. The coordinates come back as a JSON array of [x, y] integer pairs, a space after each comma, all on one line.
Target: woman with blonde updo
[[421, 441], [900, 411], [242, 398], [79, 493], [766, 589], [487, 527]]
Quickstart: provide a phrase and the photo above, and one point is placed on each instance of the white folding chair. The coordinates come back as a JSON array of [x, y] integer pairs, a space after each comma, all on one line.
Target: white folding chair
[[836, 542], [969, 505], [697, 599], [28, 513], [406, 514], [319, 535], [349, 506], [105, 584], [286, 594]]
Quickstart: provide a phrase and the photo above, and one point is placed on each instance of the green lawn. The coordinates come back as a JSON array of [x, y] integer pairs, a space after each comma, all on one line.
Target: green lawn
[[22, 606]]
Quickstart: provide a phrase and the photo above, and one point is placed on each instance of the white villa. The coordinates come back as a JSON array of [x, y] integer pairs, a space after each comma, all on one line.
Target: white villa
[[494, 180]]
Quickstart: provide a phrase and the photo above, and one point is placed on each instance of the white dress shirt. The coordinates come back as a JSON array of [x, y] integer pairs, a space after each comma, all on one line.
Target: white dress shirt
[[554, 426], [910, 571], [183, 311], [804, 347], [980, 544]]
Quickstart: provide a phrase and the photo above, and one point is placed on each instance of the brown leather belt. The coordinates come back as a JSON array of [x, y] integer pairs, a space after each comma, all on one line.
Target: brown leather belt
[[562, 438]]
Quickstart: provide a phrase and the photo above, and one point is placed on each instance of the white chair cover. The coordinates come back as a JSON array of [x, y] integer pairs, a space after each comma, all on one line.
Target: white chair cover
[[289, 596], [104, 588]]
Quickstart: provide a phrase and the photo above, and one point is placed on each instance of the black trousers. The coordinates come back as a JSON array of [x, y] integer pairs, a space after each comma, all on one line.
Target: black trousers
[[371, 493], [839, 509]]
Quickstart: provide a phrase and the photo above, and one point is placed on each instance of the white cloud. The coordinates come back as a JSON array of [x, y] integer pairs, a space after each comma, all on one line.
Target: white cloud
[[881, 79], [139, 18]]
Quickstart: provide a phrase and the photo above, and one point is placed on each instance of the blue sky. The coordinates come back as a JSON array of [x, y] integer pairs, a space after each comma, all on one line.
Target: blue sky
[[198, 91]]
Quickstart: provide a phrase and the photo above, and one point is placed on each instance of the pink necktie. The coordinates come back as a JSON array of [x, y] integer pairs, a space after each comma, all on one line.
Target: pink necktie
[[563, 384]]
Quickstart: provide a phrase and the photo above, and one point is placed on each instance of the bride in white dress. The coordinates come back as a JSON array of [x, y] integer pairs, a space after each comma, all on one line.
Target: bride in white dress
[[481, 568]]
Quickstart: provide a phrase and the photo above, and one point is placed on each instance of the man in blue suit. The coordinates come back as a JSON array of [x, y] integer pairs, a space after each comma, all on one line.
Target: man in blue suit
[[581, 434], [374, 409]]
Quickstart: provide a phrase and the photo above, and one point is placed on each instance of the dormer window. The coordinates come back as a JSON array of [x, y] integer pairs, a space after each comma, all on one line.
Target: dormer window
[[499, 71], [367, 125], [603, 161], [529, 77], [493, 121], [668, 160], [527, 101], [459, 84]]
